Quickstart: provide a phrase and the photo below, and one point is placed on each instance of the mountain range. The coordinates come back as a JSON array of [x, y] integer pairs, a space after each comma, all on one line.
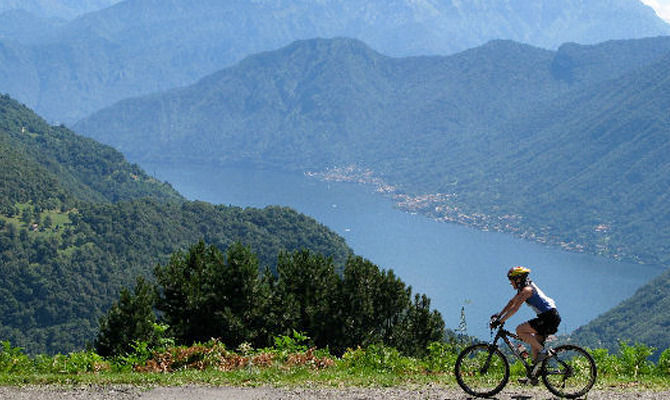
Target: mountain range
[[508, 128], [141, 46]]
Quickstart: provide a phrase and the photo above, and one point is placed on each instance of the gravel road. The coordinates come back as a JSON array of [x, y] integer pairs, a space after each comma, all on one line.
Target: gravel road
[[267, 393]]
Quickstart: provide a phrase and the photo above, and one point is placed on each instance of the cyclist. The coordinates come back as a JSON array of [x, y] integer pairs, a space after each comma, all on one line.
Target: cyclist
[[535, 331]]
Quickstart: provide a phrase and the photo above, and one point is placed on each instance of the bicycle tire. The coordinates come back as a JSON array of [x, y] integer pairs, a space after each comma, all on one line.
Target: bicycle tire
[[482, 370], [570, 373]]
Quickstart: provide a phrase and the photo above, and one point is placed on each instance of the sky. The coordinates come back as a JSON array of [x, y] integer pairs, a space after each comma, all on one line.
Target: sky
[[662, 7]]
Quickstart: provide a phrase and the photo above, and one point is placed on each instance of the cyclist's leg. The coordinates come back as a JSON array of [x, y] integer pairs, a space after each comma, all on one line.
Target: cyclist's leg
[[529, 335]]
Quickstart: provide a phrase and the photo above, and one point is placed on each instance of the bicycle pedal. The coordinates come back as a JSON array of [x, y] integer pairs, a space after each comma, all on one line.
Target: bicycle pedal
[[526, 381], [536, 371]]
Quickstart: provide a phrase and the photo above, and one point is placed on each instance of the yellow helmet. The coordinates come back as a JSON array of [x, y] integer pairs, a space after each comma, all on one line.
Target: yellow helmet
[[518, 271]]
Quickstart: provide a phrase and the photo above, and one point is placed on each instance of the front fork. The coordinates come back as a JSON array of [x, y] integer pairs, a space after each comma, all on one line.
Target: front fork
[[492, 347]]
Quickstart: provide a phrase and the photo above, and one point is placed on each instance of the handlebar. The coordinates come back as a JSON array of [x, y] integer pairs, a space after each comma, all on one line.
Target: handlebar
[[495, 322]]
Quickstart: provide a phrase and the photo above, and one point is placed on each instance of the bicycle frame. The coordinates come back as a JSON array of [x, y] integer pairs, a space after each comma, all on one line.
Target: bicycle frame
[[505, 335]]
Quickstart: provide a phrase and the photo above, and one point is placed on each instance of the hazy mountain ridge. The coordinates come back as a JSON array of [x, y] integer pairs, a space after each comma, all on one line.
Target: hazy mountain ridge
[[23, 27], [141, 46], [339, 88], [316, 78], [61, 9]]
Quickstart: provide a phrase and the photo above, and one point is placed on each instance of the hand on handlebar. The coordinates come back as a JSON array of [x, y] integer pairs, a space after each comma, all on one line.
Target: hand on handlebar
[[495, 321]]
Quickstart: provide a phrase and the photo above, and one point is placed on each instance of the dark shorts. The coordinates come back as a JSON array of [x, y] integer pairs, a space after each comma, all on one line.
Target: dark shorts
[[546, 323]]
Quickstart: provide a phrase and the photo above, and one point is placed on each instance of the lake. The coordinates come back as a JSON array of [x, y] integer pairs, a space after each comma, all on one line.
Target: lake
[[456, 266]]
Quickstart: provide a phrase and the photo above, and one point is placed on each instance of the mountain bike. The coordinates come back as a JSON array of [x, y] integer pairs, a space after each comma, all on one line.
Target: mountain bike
[[483, 370]]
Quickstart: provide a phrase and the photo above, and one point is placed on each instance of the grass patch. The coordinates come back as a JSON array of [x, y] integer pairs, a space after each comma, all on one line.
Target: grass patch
[[291, 364], [42, 223]]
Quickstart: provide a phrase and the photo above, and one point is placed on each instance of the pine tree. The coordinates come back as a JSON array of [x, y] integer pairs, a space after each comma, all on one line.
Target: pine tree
[[234, 299], [307, 289], [181, 296], [129, 320], [374, 302], [205, 294], [419, 327], [462, 324]]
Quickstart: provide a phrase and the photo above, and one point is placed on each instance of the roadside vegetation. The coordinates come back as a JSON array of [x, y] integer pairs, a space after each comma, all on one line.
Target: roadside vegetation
[[291, 362]]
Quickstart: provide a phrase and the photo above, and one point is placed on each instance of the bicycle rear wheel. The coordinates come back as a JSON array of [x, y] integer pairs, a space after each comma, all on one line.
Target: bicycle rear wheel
[[570, 372], [482, 370]]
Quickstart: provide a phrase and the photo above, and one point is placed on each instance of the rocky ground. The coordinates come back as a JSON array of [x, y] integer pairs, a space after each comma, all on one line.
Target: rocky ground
[[267, 393]]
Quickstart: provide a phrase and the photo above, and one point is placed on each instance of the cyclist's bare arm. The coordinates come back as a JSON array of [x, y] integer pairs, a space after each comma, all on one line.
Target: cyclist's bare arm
[[514, 304]]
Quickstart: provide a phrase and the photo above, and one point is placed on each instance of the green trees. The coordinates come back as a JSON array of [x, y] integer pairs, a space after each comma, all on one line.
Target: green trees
[[419, 327], [380, 310], [182, 302], [235, 299], [130, 319], [374, 302], [307, 294], [78, 223], [204, 293]]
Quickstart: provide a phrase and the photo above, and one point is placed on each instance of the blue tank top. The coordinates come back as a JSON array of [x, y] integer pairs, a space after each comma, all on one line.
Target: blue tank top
[[539, 301]]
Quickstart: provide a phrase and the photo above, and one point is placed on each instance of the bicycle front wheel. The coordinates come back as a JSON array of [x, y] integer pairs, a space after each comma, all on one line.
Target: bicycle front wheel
[[482, 370], [570, 373]]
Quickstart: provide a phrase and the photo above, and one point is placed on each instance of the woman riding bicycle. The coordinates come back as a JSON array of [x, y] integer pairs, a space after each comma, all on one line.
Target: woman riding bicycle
[[535, 331]]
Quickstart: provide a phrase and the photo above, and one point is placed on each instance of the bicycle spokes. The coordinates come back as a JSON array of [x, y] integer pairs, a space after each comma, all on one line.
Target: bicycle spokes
[[571, 372], [482, 370]]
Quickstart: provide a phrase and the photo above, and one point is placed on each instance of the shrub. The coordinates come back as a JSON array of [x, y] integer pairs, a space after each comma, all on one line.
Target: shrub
[[634, 358], [285, 345], [441, 356], [12, 359], [378, 358], [293, 351], [77, 363], [140, 354], [212, 354], [311, 358], [43, 364], [608, 364], [663, 365]]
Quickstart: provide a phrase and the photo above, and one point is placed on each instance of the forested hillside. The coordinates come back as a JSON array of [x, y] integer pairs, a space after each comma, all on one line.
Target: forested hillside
[[641, 319], [519, 138], [83, 168], [593, 167], [137, 47], [78, 222]]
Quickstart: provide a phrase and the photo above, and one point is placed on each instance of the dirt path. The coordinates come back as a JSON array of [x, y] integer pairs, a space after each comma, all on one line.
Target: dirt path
[[267, 393]]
